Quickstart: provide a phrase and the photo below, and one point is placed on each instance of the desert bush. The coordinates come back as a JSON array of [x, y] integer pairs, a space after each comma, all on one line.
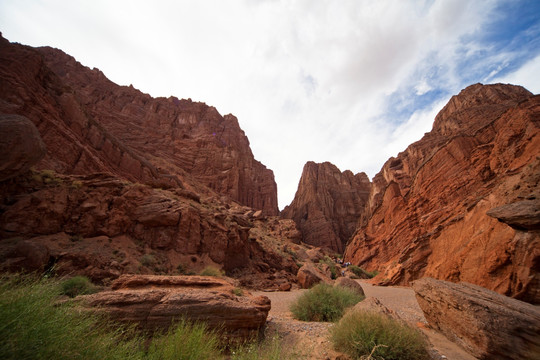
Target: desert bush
[[361, 273], [238, 292], [148, 260], [185, 341], [362, 334], [332, 265], [211, 271], [78, 285], [324, 303], [34, 326]]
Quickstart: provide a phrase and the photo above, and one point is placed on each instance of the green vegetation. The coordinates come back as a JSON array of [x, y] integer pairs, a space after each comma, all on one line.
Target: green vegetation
[[334, 271], [34, 326], [78, 285], [148, 260], [361, 273], [324, 303], [185, 341], [371, 335], [238, 292], [211, 271], [269, 349]]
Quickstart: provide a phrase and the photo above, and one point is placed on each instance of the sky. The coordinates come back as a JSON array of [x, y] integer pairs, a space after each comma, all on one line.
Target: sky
[[352, 82]]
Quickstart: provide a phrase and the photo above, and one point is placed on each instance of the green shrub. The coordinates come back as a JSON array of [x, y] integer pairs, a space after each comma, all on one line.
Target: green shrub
[[332, 265], [361, 273], [34, 326], [238, 292], [185, 341], [78, 285], [376, 336], [148, 260], [211, 271], [324, 303]]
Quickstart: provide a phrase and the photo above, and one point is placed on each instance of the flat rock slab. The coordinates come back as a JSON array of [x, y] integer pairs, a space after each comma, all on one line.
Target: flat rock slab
[[153, 302], [486, 324]]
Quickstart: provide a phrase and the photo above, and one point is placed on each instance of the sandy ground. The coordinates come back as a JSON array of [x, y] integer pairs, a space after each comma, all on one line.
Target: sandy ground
[[309, 340]]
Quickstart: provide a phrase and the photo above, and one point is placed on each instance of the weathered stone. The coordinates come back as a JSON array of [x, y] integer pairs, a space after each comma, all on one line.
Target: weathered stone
[[308, 276], [426, 214], [90, 124], [351, 284], [153, 302], [328, 204], [486, 324], [521, 215], [21, 146]]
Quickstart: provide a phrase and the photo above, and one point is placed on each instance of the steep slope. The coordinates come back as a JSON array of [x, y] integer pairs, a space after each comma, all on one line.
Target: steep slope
[[427, 213], [328, 204], [90, 124]]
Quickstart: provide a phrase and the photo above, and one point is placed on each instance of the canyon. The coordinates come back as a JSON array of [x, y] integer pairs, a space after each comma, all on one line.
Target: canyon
[[105, 181]]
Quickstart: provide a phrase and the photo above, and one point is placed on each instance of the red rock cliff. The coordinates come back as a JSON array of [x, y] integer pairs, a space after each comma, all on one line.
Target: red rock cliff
[[434, 209], [328, 204], [89, 124]]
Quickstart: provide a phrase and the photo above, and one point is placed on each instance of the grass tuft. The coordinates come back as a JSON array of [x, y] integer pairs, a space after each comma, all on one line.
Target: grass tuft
[[185, 341], [78, 285], [324, 303], [362, 334], [211, 271], [269, 349]]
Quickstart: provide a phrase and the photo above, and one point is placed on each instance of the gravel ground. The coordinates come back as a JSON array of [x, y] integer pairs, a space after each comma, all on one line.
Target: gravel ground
[[309, 340]]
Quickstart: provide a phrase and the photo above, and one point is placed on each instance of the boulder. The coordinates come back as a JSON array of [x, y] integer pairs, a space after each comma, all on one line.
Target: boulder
[[152, 302], [372, 304], [351, 284], [486, 324], [308, 275], [21, 146]]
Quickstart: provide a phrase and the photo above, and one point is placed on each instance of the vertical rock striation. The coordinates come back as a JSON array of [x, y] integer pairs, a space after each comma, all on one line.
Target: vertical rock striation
[[328, 204]]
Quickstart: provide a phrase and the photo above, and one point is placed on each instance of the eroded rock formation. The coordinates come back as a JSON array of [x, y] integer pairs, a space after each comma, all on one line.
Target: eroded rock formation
[[102, 226], [153, 302], [486, 324], [429, 209], [328, 204], [90, 124]]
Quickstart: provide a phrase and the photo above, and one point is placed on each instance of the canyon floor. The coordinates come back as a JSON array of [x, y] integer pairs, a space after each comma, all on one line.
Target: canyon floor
[[310, 340]]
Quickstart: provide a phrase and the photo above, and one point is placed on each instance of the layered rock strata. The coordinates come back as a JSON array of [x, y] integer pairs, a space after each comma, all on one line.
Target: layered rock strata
[[328, 204], [440, 208], [486, 324], [154, 302], [90, 124]]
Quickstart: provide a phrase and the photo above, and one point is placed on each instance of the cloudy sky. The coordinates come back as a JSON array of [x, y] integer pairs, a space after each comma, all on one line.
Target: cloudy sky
[[352, 82]]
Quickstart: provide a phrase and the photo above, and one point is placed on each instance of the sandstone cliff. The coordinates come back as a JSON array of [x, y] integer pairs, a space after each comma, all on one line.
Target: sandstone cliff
[[90, 124], [328, 204], [427, 213]]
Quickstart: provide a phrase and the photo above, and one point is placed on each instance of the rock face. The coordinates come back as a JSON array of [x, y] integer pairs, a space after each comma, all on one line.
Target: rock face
[[102, 226], [328, 204], [20, 146], [429, 209], [486, 324], [153, 302], [90, 124], [351, 284]]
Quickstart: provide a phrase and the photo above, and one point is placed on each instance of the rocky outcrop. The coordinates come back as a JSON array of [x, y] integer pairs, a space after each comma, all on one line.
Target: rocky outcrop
[[102, 227], [486, 324], [90, 124], [428, 212], [309, 275], [328, 204], [153, 302], [21, 146]]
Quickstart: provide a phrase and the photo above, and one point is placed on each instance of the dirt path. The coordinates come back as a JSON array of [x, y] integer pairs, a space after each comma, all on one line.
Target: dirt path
[[309, 340]]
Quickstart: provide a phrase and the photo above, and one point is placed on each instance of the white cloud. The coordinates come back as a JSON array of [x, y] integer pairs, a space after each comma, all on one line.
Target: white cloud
[[308, 80], [528, 76]]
